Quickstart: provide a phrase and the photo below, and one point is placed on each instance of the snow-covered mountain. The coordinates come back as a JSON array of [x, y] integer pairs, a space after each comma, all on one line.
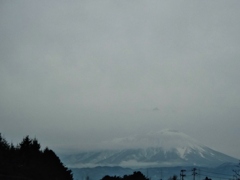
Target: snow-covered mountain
[[163, 148]]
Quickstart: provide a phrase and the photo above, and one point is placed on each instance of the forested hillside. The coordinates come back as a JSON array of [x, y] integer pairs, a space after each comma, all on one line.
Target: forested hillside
[[26, 161]]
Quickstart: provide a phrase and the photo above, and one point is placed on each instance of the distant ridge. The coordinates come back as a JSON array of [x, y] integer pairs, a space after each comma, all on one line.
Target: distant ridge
[[156, 149]]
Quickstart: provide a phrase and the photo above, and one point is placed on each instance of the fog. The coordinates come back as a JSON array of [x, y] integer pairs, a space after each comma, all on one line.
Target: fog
[[76, 73]]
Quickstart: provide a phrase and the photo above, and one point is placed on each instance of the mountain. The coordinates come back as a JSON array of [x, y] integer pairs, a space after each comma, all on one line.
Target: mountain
[[159, 149], [224, 171]]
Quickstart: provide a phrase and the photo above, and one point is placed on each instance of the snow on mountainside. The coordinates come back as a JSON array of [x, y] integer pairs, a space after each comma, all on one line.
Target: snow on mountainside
[[163, 148], [166, 139]]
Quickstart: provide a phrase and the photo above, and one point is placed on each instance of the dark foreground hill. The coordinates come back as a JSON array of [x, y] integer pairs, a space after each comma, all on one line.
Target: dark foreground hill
[[27, 162]]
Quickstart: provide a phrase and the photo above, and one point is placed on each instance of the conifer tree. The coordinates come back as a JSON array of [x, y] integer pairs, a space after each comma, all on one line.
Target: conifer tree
[[27, 161]]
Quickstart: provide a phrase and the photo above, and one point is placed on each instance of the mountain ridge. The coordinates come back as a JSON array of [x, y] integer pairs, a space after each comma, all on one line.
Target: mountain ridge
[[163, 148]]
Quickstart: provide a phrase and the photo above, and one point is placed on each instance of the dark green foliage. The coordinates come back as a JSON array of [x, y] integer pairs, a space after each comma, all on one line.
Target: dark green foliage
[[135, 176], [27, 161]]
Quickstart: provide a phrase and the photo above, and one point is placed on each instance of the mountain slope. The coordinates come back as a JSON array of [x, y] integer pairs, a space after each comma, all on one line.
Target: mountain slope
[[221, 172], [163, 148]]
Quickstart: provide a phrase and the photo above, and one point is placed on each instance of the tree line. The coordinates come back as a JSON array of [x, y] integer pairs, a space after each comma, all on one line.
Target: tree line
[[135, 176], [26, 161]]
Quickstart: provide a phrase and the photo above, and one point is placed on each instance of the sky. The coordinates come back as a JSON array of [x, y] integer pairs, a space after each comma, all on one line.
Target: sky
[[75, 73]]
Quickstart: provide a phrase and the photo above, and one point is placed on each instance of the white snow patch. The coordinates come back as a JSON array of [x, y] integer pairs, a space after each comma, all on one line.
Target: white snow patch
[[181, 152], [201, 155]]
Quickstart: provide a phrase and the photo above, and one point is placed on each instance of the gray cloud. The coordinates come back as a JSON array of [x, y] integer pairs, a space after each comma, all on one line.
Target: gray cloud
[[81, 72]]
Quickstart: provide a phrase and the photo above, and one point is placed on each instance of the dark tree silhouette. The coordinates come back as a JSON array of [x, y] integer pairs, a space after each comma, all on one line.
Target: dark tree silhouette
[[174, 177], [206, 178], [27, 161], [135, 176]]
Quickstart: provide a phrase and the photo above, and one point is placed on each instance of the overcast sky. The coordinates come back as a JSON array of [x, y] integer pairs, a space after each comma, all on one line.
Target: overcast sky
[[73, 73]]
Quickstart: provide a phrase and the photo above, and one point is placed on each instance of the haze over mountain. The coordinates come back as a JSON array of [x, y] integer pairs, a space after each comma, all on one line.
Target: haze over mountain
[[81, 72], [162, 148]]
